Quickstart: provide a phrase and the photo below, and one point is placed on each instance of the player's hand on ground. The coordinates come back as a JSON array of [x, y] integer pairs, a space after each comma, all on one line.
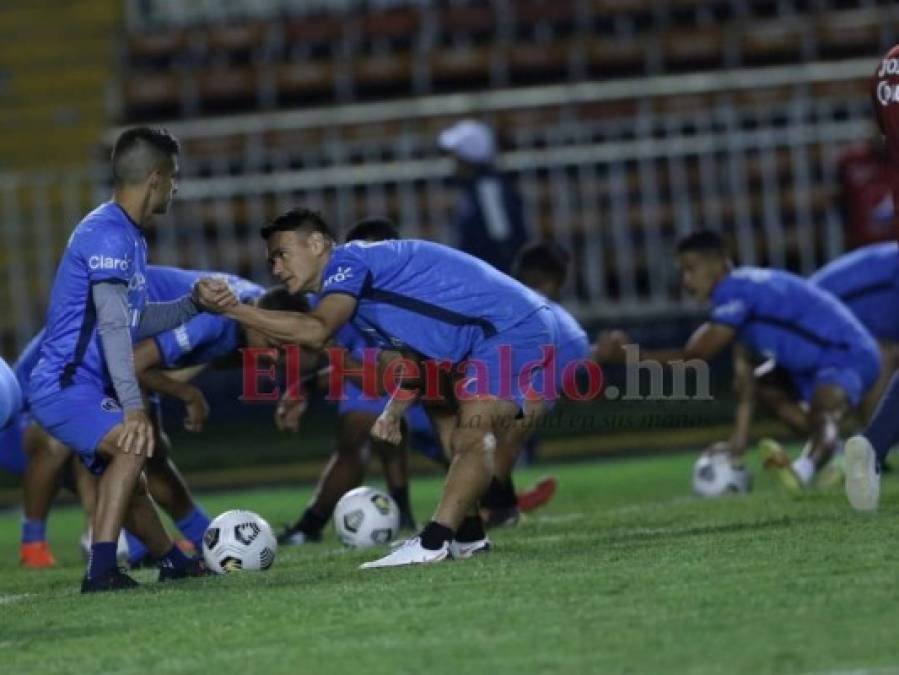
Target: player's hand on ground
[[609, 346], [196, 409], [214, 295], [137, 435], [289, 412], [387, 428]]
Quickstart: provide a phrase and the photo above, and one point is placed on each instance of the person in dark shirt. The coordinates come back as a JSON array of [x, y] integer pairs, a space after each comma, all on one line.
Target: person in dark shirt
[[489, 217]]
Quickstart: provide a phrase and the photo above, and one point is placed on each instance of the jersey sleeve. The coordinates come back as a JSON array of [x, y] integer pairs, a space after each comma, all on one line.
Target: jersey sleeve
[[729, 306], [347, 272], [177, 343], [109, 257]]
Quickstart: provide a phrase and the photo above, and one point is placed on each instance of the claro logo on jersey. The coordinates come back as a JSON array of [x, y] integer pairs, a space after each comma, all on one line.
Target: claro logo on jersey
[[888, 67], [102, 262], [341, 275]]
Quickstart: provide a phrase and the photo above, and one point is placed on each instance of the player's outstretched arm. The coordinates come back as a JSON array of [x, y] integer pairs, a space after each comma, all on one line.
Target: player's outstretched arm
[[311, 330]]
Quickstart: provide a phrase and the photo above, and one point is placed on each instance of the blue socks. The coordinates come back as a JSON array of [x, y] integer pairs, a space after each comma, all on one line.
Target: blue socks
[[193, 526], [174, 559], [33, 530], [102, 560], [136, 549], [883, 429]]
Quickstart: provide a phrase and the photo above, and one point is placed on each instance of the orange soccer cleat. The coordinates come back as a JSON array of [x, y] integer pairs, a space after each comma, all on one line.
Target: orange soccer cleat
[[36, 555], [537, 496]]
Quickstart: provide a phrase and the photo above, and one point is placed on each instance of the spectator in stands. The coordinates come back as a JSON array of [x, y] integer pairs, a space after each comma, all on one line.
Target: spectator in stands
[[867, 179], [489, 218]]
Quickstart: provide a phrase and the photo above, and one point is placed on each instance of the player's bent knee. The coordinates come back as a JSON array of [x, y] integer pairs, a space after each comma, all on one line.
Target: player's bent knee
[[473, 441]]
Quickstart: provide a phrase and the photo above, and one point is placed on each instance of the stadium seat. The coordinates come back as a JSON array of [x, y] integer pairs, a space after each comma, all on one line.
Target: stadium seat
[[224, 89]]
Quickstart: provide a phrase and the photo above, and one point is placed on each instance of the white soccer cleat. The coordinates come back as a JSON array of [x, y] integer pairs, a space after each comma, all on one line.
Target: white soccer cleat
[[463, 550], [862, 477], [410, 553]]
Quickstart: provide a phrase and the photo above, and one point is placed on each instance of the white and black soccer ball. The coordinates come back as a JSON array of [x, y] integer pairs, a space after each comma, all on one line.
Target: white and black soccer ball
[[715, 476], [239, 540], [366, 517]]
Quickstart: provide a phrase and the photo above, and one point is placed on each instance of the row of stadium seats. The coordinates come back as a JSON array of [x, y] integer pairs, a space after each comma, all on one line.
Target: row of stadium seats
[[329, 58]]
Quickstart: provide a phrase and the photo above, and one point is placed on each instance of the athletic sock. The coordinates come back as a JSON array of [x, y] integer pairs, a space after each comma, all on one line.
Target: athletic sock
[[500, 494], [883, 430], [435, 535], [804, 468], [33, 530], [471, 529], [102, 560], [174, 559], [311, 522], [193, 526], [401, 497], [136, 549]]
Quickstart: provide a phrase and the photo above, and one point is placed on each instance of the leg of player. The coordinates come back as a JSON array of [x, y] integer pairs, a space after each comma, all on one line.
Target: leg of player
[[46, 458], [345, 471], [395, 461], [456, 520], [783, 404], [143, 521], [866, 452], [828, 404], [889, 359]]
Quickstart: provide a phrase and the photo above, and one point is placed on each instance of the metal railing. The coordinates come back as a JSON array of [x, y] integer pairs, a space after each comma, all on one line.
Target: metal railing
[[616, 192]]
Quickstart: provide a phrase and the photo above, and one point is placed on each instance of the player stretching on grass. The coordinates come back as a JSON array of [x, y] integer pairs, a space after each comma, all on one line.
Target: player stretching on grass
[[356, 415], [84, 391], [440, 304], [830, 357], [866, 452]]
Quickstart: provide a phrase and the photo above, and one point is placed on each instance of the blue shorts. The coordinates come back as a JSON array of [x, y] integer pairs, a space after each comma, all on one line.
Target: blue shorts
[[10, 394], [355, 400], [12, 450], [855, 372], [509, 364], [421, 436], [566, 354], [79, 417]]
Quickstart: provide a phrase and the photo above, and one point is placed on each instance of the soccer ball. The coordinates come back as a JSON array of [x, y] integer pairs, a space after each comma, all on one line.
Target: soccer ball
[[714, 476], [239, 540], [366, 517]]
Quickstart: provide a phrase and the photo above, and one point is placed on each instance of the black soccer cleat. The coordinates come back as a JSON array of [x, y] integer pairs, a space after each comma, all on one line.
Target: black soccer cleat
[[114, 580], [196, 568], [292, 535], [407, 523]]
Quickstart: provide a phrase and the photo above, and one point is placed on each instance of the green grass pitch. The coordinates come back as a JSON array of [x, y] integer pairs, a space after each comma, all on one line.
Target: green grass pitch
[[624, 572]]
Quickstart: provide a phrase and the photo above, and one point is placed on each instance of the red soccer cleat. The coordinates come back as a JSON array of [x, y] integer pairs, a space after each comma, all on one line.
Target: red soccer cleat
[[36, 555], [537, 496]]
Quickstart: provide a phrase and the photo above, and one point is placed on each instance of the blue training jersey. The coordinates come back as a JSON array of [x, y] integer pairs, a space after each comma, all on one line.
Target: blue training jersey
[[107, 246], [867, 281], [782, 316], [426, 297], [26, 362], [571, 340], [206, 336]]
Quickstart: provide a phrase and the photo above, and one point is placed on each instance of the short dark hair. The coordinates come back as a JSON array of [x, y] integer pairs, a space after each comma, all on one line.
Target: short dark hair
[[277, 298], [375, 228], [702, 241], [139, 151], [298, 220], [542, 260]]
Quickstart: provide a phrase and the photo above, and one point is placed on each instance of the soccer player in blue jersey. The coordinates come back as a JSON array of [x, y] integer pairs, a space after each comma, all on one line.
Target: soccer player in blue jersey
[[542, 266], [831, 358], [356, 415], [84, 391], [866, 280], [163, 364], [440, 304]]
